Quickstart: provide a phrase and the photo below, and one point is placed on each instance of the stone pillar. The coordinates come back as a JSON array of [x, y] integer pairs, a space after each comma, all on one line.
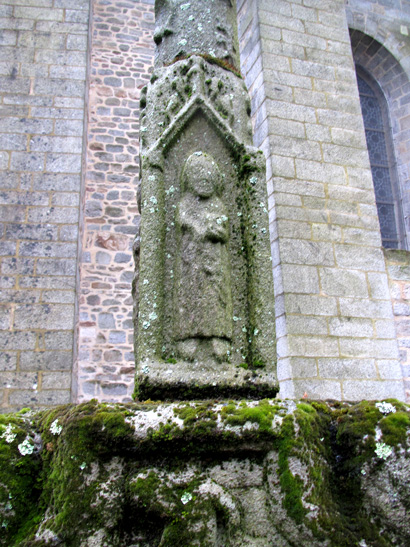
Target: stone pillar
[[336, 336], [205, 322]]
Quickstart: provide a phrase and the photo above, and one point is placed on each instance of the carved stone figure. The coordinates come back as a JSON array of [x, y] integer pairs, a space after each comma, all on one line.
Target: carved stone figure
[[202, 289]]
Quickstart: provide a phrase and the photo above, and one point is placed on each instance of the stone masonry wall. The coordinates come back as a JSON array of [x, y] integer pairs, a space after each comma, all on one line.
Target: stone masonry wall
[[122, 51], [43, 56], [398, 268], [335, 327]]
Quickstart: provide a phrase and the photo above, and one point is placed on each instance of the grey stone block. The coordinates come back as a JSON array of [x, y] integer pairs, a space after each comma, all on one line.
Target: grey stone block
[[299, 324], [56, 380], [310, 305], [53, 267], [63, 163], [350, 326], [313, 346], [47, 282], [106, 321], [18, 340], [69, 127], [339, 282], [24, 125], [8, 361], [27, 161], [355, 307], [347, 368], [19, 380], [373, 390], [53, 397], [300, 279], [49, 249], [59, 341], [306, 252], [57, 215], [317, 389], [39, 13], [59, 182], [5, 316], [359, 258], [49, 316], [390, 370], [46, 360]]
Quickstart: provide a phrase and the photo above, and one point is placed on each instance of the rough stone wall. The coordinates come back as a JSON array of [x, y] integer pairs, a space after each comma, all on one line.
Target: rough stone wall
[[335, 326], [122, 53], [398, 269], [42, 95]]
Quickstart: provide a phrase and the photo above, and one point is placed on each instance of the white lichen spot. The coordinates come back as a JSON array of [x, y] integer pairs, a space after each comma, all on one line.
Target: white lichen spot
[[236, 318], [255, 332], [253, 180], [212, 52], [152, 210], [383, 450], [146, 325], [56, 428], [363, 472], [145, 282], [244, 329], [143, 129], [153, 200], [162, 123], [186, 497], [185, 6], [151, 178], [83, 466], [26, 448], [145, 369], [385, 408], [198, 153], [153, 316], [8, 434], [182, 42], [200, 28], [191, 18], [263, 230]]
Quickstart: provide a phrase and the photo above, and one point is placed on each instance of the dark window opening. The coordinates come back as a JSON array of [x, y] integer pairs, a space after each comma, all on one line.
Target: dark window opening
[[382, 163]]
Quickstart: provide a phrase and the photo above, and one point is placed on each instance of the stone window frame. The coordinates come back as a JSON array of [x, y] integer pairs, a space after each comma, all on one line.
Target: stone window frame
[[393, 83], [391, 156]]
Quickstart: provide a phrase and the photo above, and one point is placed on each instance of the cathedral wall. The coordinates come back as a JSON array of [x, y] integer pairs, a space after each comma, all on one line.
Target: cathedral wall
[[336, 335], [43, 69], [121, 59], [69, 214]]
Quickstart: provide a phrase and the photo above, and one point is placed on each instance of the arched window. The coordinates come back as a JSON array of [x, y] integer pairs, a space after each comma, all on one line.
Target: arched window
[[379, 144]]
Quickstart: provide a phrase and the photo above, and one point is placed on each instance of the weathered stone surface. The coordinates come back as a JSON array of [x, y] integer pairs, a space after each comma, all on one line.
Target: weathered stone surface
[[184, 28], [206, 474], [205, 279]]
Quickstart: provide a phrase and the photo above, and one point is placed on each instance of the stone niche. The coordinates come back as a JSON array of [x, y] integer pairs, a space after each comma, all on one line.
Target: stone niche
[[205, 318]]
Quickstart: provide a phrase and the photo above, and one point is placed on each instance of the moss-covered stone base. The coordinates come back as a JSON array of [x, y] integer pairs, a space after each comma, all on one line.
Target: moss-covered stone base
[[208, 473]]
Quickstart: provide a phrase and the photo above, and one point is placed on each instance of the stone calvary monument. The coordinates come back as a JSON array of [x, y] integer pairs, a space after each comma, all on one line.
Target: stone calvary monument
[[205, 324], [225, 463]]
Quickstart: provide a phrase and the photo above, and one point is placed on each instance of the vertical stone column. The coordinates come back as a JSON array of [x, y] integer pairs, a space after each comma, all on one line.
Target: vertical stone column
[[336, 336], [205, 324]]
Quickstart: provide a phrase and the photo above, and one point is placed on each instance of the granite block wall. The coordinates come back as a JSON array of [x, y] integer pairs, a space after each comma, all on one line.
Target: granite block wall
[[121, 57], [398, 269], [336, 335], [43, 60]]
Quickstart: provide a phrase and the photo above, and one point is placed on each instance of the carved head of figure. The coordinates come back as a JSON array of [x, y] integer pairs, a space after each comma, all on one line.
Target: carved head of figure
[[201, 176]]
